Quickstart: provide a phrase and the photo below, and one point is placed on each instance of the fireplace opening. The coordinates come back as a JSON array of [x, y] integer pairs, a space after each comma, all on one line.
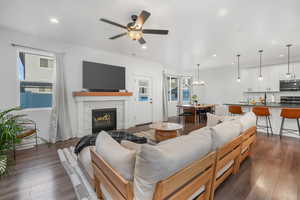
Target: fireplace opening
[[104, 119]]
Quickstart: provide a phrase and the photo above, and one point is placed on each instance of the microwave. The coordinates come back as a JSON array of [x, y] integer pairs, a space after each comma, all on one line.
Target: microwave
[[289, 85]]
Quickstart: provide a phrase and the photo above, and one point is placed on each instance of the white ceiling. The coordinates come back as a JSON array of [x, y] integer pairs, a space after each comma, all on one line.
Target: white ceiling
[[198, 28]]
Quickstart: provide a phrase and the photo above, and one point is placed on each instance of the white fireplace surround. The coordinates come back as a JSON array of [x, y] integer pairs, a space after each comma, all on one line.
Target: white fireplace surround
[[85, 105]]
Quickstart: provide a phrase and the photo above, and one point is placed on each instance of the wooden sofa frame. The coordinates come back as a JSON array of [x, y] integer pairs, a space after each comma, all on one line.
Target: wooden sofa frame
[[249, 138], [187, 181], [232, 151], [181, 185]]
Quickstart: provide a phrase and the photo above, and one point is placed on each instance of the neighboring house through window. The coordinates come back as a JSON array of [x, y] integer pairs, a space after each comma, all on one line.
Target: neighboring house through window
[[36, 75]]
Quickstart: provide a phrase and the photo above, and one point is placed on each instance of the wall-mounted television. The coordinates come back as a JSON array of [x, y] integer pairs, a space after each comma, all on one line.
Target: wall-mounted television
[[103, 77]]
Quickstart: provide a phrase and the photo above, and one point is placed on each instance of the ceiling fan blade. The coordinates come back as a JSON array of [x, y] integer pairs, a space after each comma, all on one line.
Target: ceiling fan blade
[[112, 23], [142, 41], [155, 31], [117, 36], [142, 19]]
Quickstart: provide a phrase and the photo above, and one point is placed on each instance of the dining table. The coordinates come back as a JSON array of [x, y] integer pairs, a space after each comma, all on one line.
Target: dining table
[[193, 110]]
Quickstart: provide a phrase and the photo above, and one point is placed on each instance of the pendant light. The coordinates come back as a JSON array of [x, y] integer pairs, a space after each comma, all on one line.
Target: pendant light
[[260, 77], [288, 74], [238, 62], [197, 81]]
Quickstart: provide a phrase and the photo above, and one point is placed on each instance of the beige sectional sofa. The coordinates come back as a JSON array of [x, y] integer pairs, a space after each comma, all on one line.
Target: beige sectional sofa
[[187, 167]]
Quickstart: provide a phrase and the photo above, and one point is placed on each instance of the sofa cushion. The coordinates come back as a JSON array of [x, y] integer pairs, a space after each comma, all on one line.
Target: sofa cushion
[[105, 194], [197, 193], [213, 120], [84, 157], [156, 163], [224, 169], [131, 145], [248, 120], [120, 158], [225, 132], [204, 130]]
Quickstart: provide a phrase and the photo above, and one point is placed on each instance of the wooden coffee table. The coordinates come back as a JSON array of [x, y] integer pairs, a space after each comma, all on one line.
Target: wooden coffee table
[[165, 131]]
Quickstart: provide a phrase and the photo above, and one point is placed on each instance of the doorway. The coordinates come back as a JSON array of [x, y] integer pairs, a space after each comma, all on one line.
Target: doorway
[[143, 100]]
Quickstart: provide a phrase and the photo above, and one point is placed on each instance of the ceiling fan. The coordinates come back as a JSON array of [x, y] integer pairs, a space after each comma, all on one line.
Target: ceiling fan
[[135, 29]]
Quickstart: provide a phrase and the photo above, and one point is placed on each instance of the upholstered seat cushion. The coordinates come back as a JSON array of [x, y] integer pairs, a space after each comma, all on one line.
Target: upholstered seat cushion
[[156, 163], [224, 169], [105, 194], [84, 157], [120, 158], [248, 120], [204, 130], [214, 120], [131, 145], [225, 132]]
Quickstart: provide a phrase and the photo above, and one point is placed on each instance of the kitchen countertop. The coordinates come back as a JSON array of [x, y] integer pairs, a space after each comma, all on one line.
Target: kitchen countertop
[[278, 105]]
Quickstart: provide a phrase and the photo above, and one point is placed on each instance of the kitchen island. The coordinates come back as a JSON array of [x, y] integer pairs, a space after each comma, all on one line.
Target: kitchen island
[[275, 109]]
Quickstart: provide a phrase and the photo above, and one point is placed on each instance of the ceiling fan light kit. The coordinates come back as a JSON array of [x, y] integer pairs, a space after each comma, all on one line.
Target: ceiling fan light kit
[[135, 29], [135, 34]]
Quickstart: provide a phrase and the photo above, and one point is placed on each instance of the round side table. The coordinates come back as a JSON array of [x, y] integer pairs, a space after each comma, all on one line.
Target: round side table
[[165, 131]]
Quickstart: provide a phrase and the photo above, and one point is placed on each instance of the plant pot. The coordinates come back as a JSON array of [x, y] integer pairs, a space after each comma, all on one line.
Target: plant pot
[[3, 164]]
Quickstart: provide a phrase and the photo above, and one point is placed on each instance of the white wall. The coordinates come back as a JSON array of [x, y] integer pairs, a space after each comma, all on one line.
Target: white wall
[[74, 55], [223, 88]]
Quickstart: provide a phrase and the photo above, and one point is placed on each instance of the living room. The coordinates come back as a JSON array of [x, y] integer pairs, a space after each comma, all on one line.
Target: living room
[[151, 73]]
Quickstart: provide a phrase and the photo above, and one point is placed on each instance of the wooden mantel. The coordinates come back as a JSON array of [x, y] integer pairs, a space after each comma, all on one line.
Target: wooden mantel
[[81, 94]]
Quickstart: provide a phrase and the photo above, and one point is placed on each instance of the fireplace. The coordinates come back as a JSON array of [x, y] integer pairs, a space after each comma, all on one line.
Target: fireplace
[[104, 119]]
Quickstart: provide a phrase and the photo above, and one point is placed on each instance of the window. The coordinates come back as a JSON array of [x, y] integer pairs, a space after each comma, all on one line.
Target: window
[[173, 88], [36, 74], [186, 89]]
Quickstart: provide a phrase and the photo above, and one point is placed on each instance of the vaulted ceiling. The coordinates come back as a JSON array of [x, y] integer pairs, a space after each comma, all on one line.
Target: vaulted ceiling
[[209, 32]]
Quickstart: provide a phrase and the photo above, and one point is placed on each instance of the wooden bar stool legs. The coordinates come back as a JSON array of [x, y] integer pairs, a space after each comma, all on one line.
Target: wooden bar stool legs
[[261, 111], [289, 113]]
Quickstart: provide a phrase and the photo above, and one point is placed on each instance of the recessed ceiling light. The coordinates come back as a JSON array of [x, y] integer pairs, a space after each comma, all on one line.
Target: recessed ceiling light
[[222, 12], [144, 47], [281, 55], [215, 55], [54, 20]]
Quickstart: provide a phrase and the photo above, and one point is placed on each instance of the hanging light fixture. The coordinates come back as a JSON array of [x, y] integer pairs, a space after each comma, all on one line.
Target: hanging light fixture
[[260, 77], [238, 62], [197, 81], [288, 74]]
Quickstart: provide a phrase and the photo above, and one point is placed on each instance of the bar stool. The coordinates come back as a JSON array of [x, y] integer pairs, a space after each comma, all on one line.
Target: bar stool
[[235, 110], [261, 111], [184, 115], [289, 113]]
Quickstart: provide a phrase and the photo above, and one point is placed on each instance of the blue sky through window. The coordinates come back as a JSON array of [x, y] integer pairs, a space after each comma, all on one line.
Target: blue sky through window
[[21, 68]]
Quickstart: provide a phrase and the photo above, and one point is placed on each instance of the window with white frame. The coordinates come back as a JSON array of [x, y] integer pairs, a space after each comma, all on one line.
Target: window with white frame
[[186, 83], [173, 88], [36, 74]]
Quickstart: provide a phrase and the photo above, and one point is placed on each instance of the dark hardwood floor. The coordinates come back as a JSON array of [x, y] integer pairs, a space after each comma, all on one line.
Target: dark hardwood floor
[[272, 173]]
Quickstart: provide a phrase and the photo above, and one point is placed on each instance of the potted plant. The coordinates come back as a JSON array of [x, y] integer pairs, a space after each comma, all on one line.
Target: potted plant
[[10, 127], [195, 99]]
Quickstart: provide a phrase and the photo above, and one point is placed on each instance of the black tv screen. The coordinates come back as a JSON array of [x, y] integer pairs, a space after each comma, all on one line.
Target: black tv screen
[[103, 77]]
